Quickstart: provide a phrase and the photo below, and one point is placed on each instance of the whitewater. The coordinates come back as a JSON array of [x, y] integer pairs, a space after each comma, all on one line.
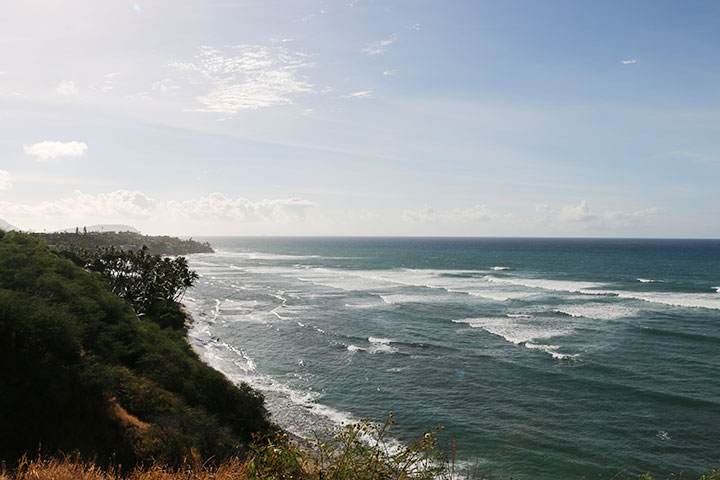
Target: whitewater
[[544, 358]]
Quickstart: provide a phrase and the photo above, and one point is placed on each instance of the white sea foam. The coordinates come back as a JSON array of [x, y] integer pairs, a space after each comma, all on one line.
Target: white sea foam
[[598, 311], [553, 285], [689, 300], [377, 345], [381, 345], [368, 280], [362, 305], [717, 289], [647, 280], [499, 295], [264, 255], [297, 410], [524, 332], [394, 299], [500, 268], [551, 349], [253, 317]]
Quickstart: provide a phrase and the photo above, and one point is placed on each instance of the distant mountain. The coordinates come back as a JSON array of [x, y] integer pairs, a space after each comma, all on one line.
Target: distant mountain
[[6, 226], [101, 228]]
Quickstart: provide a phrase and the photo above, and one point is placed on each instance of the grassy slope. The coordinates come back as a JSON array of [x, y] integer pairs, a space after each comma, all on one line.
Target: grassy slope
[[79, 370]]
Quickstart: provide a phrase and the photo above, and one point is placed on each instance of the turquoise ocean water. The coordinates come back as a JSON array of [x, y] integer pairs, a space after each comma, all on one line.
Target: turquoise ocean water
[[545, 358]]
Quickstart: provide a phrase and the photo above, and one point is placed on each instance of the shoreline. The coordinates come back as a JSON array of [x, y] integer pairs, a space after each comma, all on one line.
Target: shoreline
[[281, 405]]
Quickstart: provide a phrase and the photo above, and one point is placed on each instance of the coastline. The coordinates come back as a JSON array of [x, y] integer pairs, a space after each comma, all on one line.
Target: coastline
[[294, 412]]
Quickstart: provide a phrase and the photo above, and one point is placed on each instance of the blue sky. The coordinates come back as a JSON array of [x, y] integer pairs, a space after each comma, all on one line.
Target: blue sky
[[512, 118]]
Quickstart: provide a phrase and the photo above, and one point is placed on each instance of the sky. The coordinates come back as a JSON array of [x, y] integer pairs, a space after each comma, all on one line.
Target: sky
[[564, 118]]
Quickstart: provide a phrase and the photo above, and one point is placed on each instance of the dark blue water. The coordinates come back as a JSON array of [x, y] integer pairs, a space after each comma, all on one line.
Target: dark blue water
[[546, 358]]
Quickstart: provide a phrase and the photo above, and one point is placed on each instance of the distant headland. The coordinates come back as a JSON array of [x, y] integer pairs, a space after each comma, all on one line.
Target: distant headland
[[84, 238]]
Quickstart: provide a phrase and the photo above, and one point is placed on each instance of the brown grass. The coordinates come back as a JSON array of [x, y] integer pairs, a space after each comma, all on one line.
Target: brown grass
[[124, 419], [70, 468]]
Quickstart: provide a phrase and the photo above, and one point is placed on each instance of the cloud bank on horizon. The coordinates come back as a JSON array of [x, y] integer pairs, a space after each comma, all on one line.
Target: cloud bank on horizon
[[361, 118]]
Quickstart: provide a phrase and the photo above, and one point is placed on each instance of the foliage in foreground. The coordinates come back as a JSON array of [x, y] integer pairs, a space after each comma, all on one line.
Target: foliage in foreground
[[79, 370], [359, 451], [275, 458]]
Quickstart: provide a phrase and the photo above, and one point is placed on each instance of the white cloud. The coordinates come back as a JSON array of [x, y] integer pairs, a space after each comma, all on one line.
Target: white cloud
[[5, 182], [542, 208], [582, 213], [415, 27], [629, 62], [108, 82], [577, 213], [426, 214], [217, 206], [376, 48], [50, 150], [252, 77], [475, 213], [104, 206], [361, 94], [67, 88], [129, 205], [165, 85]]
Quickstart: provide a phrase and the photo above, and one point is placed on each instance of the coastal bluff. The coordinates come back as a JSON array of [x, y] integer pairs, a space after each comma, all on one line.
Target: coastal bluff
[[81, 240], [82, 371]]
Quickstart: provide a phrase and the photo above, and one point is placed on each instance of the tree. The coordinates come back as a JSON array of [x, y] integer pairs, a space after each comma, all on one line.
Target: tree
[[152, 284]]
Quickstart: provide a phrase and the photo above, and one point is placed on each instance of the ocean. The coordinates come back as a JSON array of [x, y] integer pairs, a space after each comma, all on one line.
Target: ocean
[[544, 358]]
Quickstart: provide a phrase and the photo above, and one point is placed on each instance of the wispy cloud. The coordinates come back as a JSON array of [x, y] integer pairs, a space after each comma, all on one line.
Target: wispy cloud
[[475, 213], [108, 82], [250, 77], [5, 182], [376, 48], [577, 213], [309, 17], [360, 94], [629, 62], [129, 205], [67, 88], [424, 215], [120, 204], [217, 206], [165, 85], [50, 150], [582, 213]]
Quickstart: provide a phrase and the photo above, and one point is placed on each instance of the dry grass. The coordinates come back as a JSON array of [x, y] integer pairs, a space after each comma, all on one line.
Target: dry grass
[[70, 468]]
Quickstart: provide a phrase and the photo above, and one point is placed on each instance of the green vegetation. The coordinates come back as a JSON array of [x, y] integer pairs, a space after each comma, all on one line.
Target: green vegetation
[[80, 242], [94, 360], [79, 370], [151, 284]]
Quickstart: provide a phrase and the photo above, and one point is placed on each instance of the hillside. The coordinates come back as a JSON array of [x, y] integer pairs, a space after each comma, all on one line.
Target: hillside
[[105, 227], [6, 226], [157, 245], [79, 370]]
